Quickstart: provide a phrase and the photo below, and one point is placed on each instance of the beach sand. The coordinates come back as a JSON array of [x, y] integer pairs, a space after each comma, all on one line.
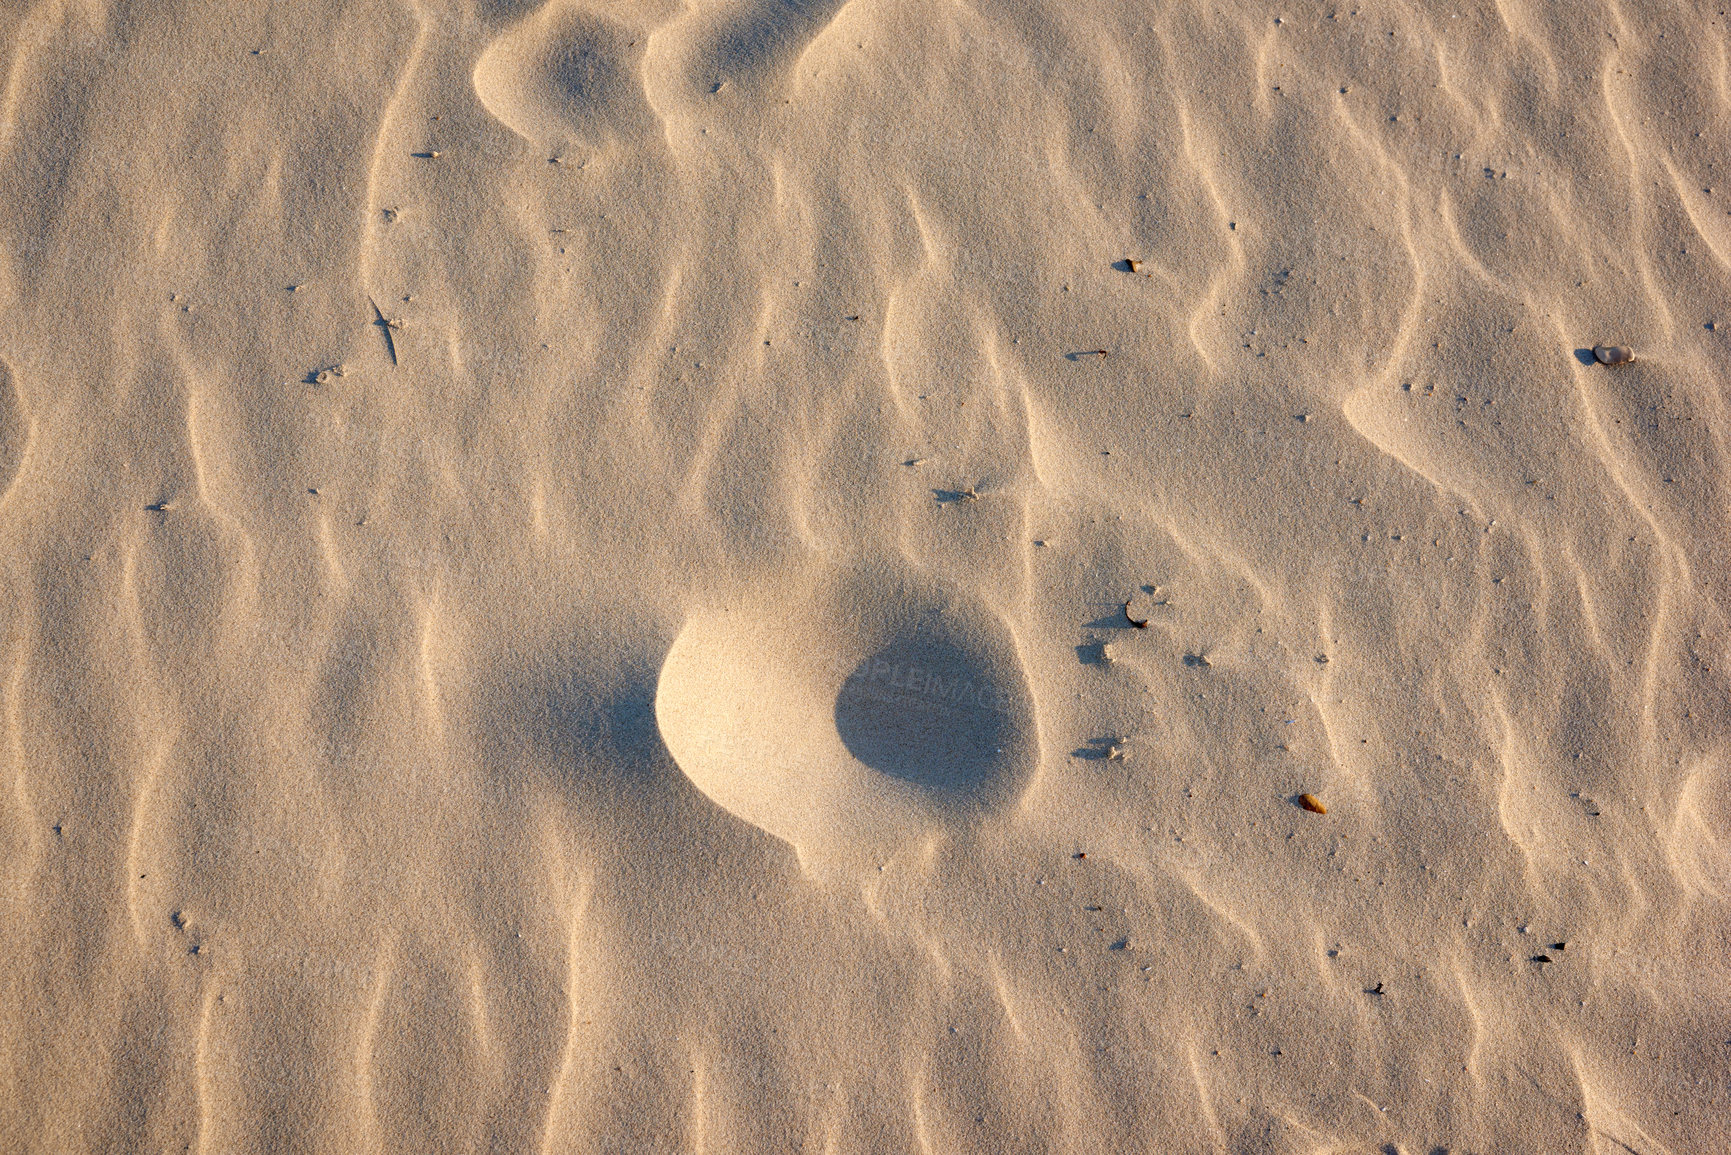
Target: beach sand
[[769, 575]]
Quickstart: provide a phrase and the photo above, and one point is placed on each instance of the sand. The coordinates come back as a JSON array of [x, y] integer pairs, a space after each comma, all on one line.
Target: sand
[[569, 573]]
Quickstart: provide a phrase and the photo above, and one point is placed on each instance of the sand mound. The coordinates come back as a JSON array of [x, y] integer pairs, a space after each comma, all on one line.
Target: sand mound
[[859, 717], [565, 77]]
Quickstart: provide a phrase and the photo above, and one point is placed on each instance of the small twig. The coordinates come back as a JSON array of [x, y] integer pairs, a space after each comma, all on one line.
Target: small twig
[[386, 326]]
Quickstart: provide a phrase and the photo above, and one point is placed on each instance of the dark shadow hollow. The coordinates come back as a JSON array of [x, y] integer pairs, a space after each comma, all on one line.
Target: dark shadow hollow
[[586, 72], [769, 35], [928, 711]]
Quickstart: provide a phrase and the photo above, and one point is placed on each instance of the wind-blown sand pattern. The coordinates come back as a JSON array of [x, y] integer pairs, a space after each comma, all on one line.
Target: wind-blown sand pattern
[[663, 680]]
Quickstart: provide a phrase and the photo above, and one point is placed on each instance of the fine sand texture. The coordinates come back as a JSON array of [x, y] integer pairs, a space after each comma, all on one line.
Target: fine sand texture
[[773, 576]]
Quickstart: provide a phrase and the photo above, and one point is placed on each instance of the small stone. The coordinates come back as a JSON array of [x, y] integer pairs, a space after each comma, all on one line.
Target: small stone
[[1613, 354]]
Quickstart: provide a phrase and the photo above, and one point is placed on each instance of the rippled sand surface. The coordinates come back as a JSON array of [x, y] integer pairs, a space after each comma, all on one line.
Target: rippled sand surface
[[569, 570]]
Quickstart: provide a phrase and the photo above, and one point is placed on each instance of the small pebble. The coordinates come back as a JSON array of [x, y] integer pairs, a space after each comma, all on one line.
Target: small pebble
[[1613, 354]]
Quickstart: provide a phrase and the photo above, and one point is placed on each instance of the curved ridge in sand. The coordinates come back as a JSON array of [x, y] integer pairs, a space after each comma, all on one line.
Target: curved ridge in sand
[[746, 48], [14, 430]]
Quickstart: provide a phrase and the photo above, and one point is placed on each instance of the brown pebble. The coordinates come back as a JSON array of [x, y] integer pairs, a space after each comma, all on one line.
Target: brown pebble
[[1312, 803], [1613, 354], [1134, 265]]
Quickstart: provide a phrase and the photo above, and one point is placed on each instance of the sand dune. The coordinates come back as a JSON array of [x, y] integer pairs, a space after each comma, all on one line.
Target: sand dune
[[757, 575]]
